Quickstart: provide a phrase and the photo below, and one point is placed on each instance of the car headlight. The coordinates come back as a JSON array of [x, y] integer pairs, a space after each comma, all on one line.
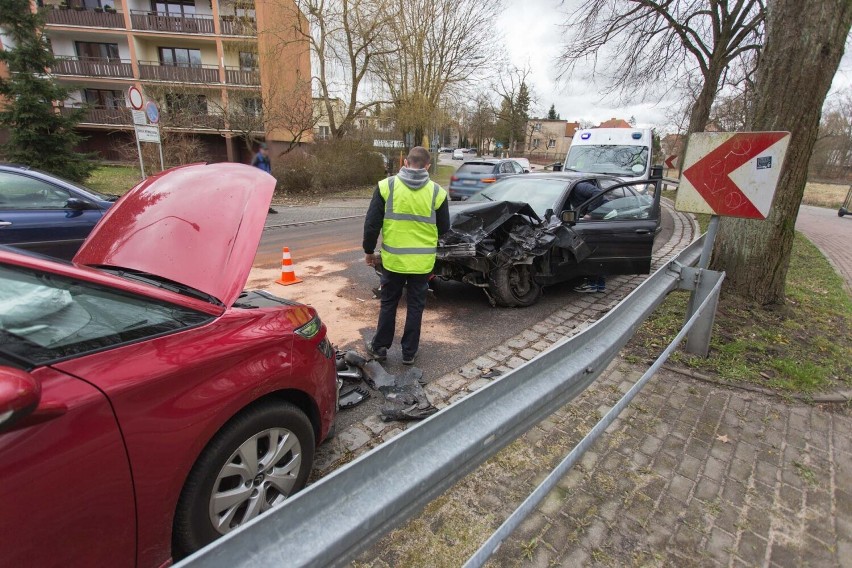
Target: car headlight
[[310, 329]]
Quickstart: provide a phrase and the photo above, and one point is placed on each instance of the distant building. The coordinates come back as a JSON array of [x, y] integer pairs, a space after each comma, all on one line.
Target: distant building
[[199, 59], [614, 123], [549, 138]]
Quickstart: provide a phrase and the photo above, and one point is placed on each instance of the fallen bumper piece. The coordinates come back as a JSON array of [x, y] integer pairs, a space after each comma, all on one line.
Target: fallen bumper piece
[[404, 395]]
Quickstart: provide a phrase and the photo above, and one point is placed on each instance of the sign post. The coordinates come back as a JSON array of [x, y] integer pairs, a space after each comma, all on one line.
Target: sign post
[[152, 111], [145, 132], [726, 174], [134, 95]]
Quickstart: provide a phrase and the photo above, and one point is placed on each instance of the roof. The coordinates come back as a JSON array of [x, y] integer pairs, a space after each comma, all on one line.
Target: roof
[[614, 123]]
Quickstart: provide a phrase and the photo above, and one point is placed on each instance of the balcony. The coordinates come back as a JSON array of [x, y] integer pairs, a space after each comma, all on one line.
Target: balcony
[[236, 26], [92, 67], [242, 76], [103, 116], [87, 17], [163, 22], [195, 121], [153, 71]]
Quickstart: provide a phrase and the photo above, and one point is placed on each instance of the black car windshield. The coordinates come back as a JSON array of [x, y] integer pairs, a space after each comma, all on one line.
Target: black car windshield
[[613, 160], [540, 194], [480, 168]]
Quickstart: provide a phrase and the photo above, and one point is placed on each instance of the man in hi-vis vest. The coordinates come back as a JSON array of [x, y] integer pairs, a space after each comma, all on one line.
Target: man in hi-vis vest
[[411, 211]]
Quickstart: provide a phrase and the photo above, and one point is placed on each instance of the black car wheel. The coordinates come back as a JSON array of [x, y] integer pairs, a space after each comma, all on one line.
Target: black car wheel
[[257, 460], [515, 286]]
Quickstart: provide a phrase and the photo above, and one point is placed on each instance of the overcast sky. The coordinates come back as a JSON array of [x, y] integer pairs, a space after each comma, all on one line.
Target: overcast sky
[[532, 34]]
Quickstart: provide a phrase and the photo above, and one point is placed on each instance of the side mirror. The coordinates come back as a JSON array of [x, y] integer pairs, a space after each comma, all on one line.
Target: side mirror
[[569, 216], [20, 393], [76, 204]]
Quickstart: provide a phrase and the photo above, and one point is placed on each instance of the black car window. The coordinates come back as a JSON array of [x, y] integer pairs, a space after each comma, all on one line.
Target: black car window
[[24, 192], [618, 203], [44, 317], [469, 168], [517, 167]]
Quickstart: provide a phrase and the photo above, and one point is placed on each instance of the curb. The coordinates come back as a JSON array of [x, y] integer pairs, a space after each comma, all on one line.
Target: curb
[[300, 223], [841, 396]]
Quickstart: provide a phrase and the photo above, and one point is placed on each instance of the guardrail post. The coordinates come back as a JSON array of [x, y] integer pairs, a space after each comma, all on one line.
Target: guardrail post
[[698, 340]]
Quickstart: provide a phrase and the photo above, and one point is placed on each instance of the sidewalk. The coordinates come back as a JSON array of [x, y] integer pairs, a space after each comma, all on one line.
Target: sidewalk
[[832, 235]]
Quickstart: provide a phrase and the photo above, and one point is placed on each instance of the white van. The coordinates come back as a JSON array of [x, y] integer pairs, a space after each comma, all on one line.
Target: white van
[[622, 152]]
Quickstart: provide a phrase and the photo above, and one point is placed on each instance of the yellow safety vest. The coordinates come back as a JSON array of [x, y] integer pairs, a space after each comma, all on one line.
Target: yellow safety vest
[[409, 231]]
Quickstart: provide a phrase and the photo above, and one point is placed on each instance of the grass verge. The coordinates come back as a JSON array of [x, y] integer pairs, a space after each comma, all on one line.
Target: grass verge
[[804, 346], [116, 180], [829, 195]]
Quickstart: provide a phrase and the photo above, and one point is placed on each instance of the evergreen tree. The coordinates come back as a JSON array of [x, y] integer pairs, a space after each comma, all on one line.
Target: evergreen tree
[[39, 136], [551, 114]]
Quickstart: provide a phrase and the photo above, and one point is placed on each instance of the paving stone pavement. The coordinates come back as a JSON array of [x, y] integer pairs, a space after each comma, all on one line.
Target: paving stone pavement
[[831, 234]]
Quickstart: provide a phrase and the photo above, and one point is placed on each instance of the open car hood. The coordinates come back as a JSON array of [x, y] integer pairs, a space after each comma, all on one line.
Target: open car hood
[[198, 225]]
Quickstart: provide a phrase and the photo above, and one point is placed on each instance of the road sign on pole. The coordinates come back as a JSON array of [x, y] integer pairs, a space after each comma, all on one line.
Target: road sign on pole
[[153, 112], [148, 134], [732, 174], [670, 161], [134, 95]]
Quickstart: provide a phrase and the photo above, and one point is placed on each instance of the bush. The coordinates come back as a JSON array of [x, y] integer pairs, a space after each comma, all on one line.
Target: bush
[[328, 166]]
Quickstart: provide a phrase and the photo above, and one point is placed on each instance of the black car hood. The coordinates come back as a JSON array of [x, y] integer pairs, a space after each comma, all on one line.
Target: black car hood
[[472, 222]]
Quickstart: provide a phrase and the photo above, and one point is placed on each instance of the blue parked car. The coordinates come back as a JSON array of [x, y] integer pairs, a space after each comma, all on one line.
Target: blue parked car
[[47, 214], [475, 175]]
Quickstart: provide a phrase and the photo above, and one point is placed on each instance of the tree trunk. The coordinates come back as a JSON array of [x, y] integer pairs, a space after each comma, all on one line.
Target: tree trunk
[[699, 116], [804, 43]]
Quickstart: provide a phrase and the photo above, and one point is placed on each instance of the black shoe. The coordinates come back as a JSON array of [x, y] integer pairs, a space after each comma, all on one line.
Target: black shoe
[[377, 293], [379, 354], [409, 359], [272, 211]]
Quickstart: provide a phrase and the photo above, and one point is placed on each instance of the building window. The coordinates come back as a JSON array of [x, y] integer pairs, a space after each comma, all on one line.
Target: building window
[[324, 133], [174, 7], [253, 106], [537, 127], [91, 49], [551, 143], [87, 4], [104, 98], [182, 103], [535, 143], [248, 60], [180, 57]]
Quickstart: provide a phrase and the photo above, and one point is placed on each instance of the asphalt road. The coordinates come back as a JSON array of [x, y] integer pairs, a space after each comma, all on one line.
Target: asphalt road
[[459, 324]]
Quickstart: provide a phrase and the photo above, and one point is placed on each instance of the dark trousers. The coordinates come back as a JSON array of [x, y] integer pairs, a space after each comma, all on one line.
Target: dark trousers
[[392, 287]]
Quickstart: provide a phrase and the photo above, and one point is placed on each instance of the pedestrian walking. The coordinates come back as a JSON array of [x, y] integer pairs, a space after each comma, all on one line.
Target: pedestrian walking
[[261, 160], [411, 212]]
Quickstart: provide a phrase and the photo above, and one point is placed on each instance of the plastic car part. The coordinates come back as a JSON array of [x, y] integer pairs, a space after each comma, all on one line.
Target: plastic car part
[[351, 396], [345, 371], [404, 395]]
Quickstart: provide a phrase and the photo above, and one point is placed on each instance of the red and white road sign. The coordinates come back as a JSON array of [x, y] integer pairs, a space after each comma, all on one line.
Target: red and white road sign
[[732, 174], [670, 161], [134, 95]]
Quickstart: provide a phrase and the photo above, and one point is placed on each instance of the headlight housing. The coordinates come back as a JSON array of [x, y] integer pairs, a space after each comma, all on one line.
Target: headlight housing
[[310, 329]]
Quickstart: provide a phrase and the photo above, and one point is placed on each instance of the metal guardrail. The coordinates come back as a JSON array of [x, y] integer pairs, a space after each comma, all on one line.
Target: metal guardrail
[[328, 523]]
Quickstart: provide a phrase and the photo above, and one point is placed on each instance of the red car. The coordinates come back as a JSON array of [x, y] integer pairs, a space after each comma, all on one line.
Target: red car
[[147, 403]]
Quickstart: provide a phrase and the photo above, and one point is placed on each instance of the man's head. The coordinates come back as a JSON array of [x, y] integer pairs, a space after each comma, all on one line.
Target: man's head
[[418, 158], [264, 151]]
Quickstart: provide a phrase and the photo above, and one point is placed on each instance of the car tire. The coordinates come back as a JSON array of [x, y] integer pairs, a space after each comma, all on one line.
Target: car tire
[[514, 286], [256, 426]]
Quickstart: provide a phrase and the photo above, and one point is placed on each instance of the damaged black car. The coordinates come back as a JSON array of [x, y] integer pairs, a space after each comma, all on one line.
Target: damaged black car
[[527, 232]]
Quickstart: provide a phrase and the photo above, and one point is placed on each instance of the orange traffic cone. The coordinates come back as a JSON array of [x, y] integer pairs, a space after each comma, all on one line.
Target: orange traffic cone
[[288, 275]]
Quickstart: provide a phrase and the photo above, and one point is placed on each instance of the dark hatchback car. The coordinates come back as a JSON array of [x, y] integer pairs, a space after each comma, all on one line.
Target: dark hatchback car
[[44, 213], [526, 232], [475, 175]]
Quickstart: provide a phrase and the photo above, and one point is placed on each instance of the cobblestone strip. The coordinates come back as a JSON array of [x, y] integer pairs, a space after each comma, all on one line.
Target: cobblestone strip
[[512, 353]]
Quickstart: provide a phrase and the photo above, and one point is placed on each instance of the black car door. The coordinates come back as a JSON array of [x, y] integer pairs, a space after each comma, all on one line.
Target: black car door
[[618, 226]]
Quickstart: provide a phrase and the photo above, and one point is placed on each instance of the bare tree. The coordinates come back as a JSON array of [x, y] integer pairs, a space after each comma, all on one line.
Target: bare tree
[[647, 41], [278, 110], [345, 37], [515, 101], [438, 46], [482, 122], [805, 40], [832, 157]]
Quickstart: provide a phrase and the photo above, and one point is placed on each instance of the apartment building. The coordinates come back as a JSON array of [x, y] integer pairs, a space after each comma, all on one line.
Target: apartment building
[[213, 66], [549, 138]]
